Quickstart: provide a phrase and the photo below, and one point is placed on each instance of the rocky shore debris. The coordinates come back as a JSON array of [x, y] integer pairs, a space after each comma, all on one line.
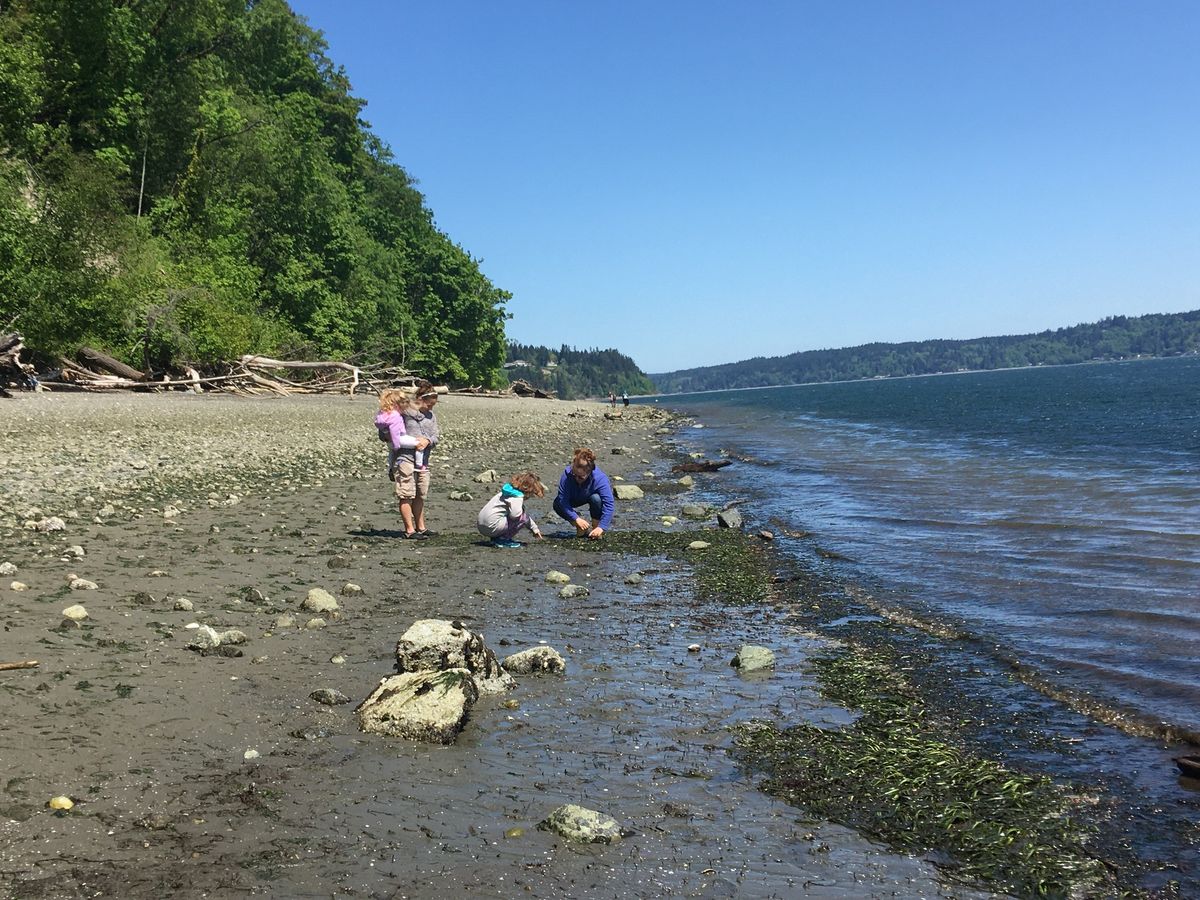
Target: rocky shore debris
[[422, 706], [753, 658], [536, 661], [628, 492], [433, 645], [321, 602], [581, 825], [556, 577], [572, 591], [729, 518]]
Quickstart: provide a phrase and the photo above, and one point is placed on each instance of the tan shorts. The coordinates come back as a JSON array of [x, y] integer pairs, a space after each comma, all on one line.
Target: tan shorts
[[410, 483]]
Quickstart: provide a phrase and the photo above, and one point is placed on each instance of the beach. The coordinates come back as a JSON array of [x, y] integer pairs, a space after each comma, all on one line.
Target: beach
[[198, 775]]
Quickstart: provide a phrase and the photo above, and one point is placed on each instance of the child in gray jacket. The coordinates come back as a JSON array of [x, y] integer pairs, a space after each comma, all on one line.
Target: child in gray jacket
[[503, 516]]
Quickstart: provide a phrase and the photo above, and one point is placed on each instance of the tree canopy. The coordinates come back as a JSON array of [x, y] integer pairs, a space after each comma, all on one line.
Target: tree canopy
[[1118, 337], [575, 373], [185, 182]]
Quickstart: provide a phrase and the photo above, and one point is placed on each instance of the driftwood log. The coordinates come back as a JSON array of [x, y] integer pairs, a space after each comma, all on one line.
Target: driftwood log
[[701, 466], [24, 664], [105, 363]]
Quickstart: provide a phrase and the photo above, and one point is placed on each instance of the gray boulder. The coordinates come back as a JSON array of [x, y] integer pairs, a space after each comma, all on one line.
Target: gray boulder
[[729, 518], [329, 696], [628, 492], [322, 603], [487, 476], [581, 825], [421, 706], [751, 658], [571, 591], [694, 511], [538, 661], [434, 645]]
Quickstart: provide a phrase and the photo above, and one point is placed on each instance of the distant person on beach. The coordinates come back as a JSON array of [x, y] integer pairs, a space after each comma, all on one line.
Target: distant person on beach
[[584, 484], [412, 466], [612, 399], [502, 517], [624, 398], [389, 423]]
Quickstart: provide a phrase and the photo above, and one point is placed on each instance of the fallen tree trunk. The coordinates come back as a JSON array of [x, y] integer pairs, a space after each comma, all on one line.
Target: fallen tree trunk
[[103, 361]]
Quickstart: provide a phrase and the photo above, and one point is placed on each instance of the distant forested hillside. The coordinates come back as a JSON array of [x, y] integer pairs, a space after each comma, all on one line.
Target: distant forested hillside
[[188, 182], [1119, 337], [576, 373]]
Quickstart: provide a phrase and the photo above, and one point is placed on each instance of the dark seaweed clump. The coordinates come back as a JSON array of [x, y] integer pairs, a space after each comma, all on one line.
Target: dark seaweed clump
[[892, 775]]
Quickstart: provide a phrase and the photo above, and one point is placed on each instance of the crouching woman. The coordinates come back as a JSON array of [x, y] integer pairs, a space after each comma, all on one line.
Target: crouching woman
[[505, 515]]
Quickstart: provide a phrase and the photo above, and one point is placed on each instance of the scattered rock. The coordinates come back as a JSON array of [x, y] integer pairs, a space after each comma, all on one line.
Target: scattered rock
[[622, 451], [19, 586], [250, 754], [338, 562], [329, 696], [350, 588], [699, 545], [204, 638], [461, 495], [423, 706], [75, 583], [74, 550], [63, 803], [338, 660], [581, 825], [729, 518], [170, 512], [635, 578], [322, 602], [183, 604], [514, 833], [669, 520], [555, 577], [628, 492], [51, 523], [75, 613], [282, 622], [694, 511], [752, 657], [311, 733], [7, 568], [232, 636], [687, 481], [433, 645], [487, 476], [538, 661], [315, 623], [571, 591], [693, 648], [767, 535]]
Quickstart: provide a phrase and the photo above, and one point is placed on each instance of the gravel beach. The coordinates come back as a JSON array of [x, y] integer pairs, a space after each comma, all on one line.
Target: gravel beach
[[195, 775]]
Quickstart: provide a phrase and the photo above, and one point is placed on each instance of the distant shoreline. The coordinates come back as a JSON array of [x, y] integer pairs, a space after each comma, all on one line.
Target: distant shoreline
[[762, 387]]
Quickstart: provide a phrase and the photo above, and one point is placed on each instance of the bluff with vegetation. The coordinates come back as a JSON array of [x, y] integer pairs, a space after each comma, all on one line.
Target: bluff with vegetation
[[576, 373], [1118, 337], [188, 182]]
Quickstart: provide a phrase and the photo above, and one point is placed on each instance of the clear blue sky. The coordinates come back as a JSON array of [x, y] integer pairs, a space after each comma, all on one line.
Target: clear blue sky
[[701, 182]]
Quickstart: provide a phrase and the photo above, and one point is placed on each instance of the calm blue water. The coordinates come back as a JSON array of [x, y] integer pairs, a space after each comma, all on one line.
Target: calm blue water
[[1055, 511]]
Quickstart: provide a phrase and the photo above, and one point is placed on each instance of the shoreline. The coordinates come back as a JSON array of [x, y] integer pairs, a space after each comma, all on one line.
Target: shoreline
[[274, 496]]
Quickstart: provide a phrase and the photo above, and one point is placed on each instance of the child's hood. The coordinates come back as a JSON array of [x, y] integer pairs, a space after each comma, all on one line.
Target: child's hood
[[509, 491]]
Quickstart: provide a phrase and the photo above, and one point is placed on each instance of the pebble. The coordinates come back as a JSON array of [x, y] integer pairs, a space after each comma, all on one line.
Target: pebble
[[699, 545], [338, 660], [19, 586], [329, 697], [250, 754], [693, 648], [75, 613], [635, 578], [556, 577], [61, 803], [75, 583], [183, 604], [571, 591], [315, 623], [75, 551], [351, 588]]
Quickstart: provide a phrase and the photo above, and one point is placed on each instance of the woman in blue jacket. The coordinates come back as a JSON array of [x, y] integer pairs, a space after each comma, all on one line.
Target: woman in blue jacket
[[583, 484]]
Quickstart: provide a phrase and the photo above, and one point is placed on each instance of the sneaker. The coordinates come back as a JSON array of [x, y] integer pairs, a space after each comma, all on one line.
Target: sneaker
[[428, 532], [507, 545], [416, 536]]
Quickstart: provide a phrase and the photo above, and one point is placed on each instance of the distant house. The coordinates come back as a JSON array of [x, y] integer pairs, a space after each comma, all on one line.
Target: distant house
[[516, 364]]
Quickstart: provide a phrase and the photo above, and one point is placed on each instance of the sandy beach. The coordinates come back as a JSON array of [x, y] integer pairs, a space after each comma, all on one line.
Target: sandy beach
[[200, 775]]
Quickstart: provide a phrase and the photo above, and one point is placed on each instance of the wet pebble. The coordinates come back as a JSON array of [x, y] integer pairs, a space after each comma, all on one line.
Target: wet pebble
[[329, 697]]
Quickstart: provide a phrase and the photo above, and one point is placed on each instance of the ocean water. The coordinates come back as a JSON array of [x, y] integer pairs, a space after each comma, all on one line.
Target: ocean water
[[1052, 511]]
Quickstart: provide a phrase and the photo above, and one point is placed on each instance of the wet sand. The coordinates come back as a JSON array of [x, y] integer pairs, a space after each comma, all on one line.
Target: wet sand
[[242, 506]]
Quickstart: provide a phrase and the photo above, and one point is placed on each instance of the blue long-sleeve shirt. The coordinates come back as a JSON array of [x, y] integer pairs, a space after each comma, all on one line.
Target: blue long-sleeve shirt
[[572, 494]]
